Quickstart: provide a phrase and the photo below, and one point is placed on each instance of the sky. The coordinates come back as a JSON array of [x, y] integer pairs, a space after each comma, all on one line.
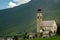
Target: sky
[[12, 3]]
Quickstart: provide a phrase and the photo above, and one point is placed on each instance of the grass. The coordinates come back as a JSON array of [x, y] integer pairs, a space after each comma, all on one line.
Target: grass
[[51, 38]]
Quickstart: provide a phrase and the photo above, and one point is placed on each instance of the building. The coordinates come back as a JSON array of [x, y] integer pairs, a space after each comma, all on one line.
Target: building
[[47, 28], [44, 28]]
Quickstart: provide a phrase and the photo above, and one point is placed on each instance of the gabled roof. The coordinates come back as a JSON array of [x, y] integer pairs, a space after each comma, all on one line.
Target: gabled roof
[[48, 23]]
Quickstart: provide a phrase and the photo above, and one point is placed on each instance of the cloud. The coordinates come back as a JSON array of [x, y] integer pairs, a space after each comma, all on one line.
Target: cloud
[[14, 3], [21, 1], [11, 5]]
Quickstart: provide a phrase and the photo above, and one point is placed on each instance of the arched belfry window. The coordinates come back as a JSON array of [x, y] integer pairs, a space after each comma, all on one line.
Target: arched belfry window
[[39, 17]]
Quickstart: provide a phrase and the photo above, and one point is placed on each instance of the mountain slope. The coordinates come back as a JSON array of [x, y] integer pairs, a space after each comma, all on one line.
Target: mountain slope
[[23, 18]]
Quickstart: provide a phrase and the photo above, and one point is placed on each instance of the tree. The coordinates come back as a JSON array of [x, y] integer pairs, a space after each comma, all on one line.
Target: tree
[[15, 38]]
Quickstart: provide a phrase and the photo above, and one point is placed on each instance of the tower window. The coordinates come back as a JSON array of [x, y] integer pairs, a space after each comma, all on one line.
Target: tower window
[[38, 17]]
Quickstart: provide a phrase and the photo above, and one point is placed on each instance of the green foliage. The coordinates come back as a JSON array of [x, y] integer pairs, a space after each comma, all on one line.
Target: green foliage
[[51, 38], [58, 24]]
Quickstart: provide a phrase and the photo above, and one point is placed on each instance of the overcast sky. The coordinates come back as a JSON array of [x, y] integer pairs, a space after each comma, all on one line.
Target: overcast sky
[[11, 3]]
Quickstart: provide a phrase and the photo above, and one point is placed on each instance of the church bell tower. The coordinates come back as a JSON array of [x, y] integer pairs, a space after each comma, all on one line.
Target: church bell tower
[[39, 20]]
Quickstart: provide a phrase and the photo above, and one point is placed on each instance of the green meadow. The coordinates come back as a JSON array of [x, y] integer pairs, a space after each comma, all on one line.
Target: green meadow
[[51, 38]]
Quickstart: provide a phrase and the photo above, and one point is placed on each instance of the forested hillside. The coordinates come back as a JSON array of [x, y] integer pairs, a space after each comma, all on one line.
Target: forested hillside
[[22, 18]]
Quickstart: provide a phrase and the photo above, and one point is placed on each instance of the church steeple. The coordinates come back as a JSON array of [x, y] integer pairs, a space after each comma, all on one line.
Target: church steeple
[[39, 14], [39, 20]]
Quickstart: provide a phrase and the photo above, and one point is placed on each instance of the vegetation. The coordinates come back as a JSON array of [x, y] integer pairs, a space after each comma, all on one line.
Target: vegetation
[[51, 38], [58, 24]]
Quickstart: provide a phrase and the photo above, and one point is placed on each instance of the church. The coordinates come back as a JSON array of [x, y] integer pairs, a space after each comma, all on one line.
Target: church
[[44, 29], [47, 28]]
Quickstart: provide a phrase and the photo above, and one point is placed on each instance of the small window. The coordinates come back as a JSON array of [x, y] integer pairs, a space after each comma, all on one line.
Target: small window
[[38, 17]]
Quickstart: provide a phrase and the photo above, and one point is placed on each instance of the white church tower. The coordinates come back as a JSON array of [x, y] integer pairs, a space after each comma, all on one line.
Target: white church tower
[[39, 20]]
